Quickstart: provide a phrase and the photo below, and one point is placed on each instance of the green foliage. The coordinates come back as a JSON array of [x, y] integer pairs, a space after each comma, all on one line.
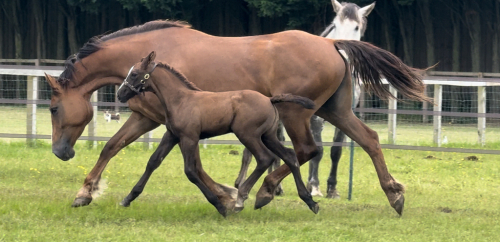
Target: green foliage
[[298, 12]]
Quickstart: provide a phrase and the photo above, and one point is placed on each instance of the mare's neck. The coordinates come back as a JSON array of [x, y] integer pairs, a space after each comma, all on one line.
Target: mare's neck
[[108, 66], [170, 90]]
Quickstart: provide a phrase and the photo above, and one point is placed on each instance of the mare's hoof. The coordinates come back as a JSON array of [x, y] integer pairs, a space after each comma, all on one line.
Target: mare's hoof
[[81, 201], [333, 194], [399, 205], [315, 208]]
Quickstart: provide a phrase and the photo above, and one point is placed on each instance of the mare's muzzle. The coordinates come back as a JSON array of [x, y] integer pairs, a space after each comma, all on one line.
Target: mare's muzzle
[[63, 150]]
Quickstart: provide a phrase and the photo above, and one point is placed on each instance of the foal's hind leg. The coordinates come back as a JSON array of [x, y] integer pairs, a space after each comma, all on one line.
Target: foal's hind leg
[[296, 122], [264, 159], [313, 180], [167, 143], [288, 156]]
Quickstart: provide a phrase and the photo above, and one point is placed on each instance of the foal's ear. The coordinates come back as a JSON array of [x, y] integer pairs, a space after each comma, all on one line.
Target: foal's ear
[[147, 60], [56, 87]]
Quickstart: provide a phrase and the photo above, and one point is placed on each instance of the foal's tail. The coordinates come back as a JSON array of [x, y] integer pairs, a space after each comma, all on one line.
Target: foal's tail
[[304, 101], [371, 63]]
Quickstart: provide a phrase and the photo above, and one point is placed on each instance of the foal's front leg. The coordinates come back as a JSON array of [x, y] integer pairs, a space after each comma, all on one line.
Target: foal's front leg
[[168, 142], [191, 153]]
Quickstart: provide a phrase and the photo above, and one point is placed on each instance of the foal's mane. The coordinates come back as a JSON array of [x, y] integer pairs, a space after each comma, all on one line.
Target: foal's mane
[[94, 44], [179, 76]]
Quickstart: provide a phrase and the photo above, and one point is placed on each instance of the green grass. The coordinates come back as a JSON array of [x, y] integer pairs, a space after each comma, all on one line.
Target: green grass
[[448, 198], [459, 136]]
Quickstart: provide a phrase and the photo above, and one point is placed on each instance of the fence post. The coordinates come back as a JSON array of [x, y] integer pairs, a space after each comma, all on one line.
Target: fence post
[[32, 97], [481, 109], [438, 97], [393, 106], [425, 105], [93, 122], [147, 140]]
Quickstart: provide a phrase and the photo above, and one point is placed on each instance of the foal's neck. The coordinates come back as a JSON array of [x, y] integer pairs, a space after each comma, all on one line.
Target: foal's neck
[[170, 90]]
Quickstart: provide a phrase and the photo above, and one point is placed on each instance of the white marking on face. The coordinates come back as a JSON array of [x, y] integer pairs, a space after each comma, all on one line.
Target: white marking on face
[[347, 29], [123, 83]]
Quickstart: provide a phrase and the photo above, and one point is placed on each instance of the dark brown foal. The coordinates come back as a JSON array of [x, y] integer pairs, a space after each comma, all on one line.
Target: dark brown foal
[[193, 114]]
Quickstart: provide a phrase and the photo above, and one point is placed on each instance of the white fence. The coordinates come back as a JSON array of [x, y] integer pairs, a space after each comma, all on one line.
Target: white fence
[[436, 79]]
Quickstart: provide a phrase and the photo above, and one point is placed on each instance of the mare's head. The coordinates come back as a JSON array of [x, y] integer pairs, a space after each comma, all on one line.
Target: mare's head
[[349, 22], [70, 112], [137, 78]]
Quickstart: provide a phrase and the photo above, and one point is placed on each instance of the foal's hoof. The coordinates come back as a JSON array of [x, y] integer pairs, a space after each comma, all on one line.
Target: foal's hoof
[[125, 203], [279, 191], [315, 208], [81, 201], [238, 209], [262, 201], [399, 205]]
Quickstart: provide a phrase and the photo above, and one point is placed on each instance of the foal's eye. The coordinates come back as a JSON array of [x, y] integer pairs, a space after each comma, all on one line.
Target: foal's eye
[[53, 110], [133, 75], [356, 29], [333, 27]]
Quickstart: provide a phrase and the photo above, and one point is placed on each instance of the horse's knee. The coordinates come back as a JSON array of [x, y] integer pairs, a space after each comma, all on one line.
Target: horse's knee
[[307, 152]]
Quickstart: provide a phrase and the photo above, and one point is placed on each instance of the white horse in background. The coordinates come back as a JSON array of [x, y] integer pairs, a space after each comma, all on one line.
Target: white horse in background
[[349, 23]]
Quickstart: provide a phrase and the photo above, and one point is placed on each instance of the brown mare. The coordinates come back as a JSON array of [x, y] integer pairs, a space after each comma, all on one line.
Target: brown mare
[[193, 114], [287, 62]]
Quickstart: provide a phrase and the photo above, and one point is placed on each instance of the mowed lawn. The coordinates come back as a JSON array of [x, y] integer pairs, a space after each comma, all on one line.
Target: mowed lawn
[[449, 198]]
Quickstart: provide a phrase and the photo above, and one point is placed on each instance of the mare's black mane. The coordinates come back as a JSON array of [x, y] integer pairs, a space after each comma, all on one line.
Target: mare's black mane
[[94, 44]]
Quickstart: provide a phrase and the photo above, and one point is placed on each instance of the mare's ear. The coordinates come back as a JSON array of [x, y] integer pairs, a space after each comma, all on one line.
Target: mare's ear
[[147, 60], [336, 6], [364, 11], [56, 87]]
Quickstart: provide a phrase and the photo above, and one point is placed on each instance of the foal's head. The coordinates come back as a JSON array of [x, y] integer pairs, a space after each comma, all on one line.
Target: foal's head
[[136, 80], [349, 22]]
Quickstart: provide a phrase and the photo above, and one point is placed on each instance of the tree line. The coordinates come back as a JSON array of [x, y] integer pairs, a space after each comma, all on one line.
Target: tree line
[[459, 35]]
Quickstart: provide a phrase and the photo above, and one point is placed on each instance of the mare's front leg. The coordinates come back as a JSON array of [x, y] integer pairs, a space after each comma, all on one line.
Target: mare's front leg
[[191, 153], [136, 125], [168, 142], [313, 180]]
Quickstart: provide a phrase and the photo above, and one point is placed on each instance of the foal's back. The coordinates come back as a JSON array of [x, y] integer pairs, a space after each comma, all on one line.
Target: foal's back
[[217, 113]]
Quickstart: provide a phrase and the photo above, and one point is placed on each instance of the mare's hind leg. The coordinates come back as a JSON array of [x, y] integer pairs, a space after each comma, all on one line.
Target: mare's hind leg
[[335, 154], [191, 153], [313, 180], [288, 156], [337, 110], [167, 143]]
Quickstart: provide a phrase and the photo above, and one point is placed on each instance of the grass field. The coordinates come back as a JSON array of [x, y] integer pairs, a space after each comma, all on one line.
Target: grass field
[[449, 198], [459, 136]]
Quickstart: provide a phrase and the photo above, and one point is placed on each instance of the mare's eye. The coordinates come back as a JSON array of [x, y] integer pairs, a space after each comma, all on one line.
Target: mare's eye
[[53, 110], [357, 28]]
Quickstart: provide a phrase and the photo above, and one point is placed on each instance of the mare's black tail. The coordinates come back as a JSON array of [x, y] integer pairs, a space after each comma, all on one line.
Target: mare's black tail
[[304, 101]]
